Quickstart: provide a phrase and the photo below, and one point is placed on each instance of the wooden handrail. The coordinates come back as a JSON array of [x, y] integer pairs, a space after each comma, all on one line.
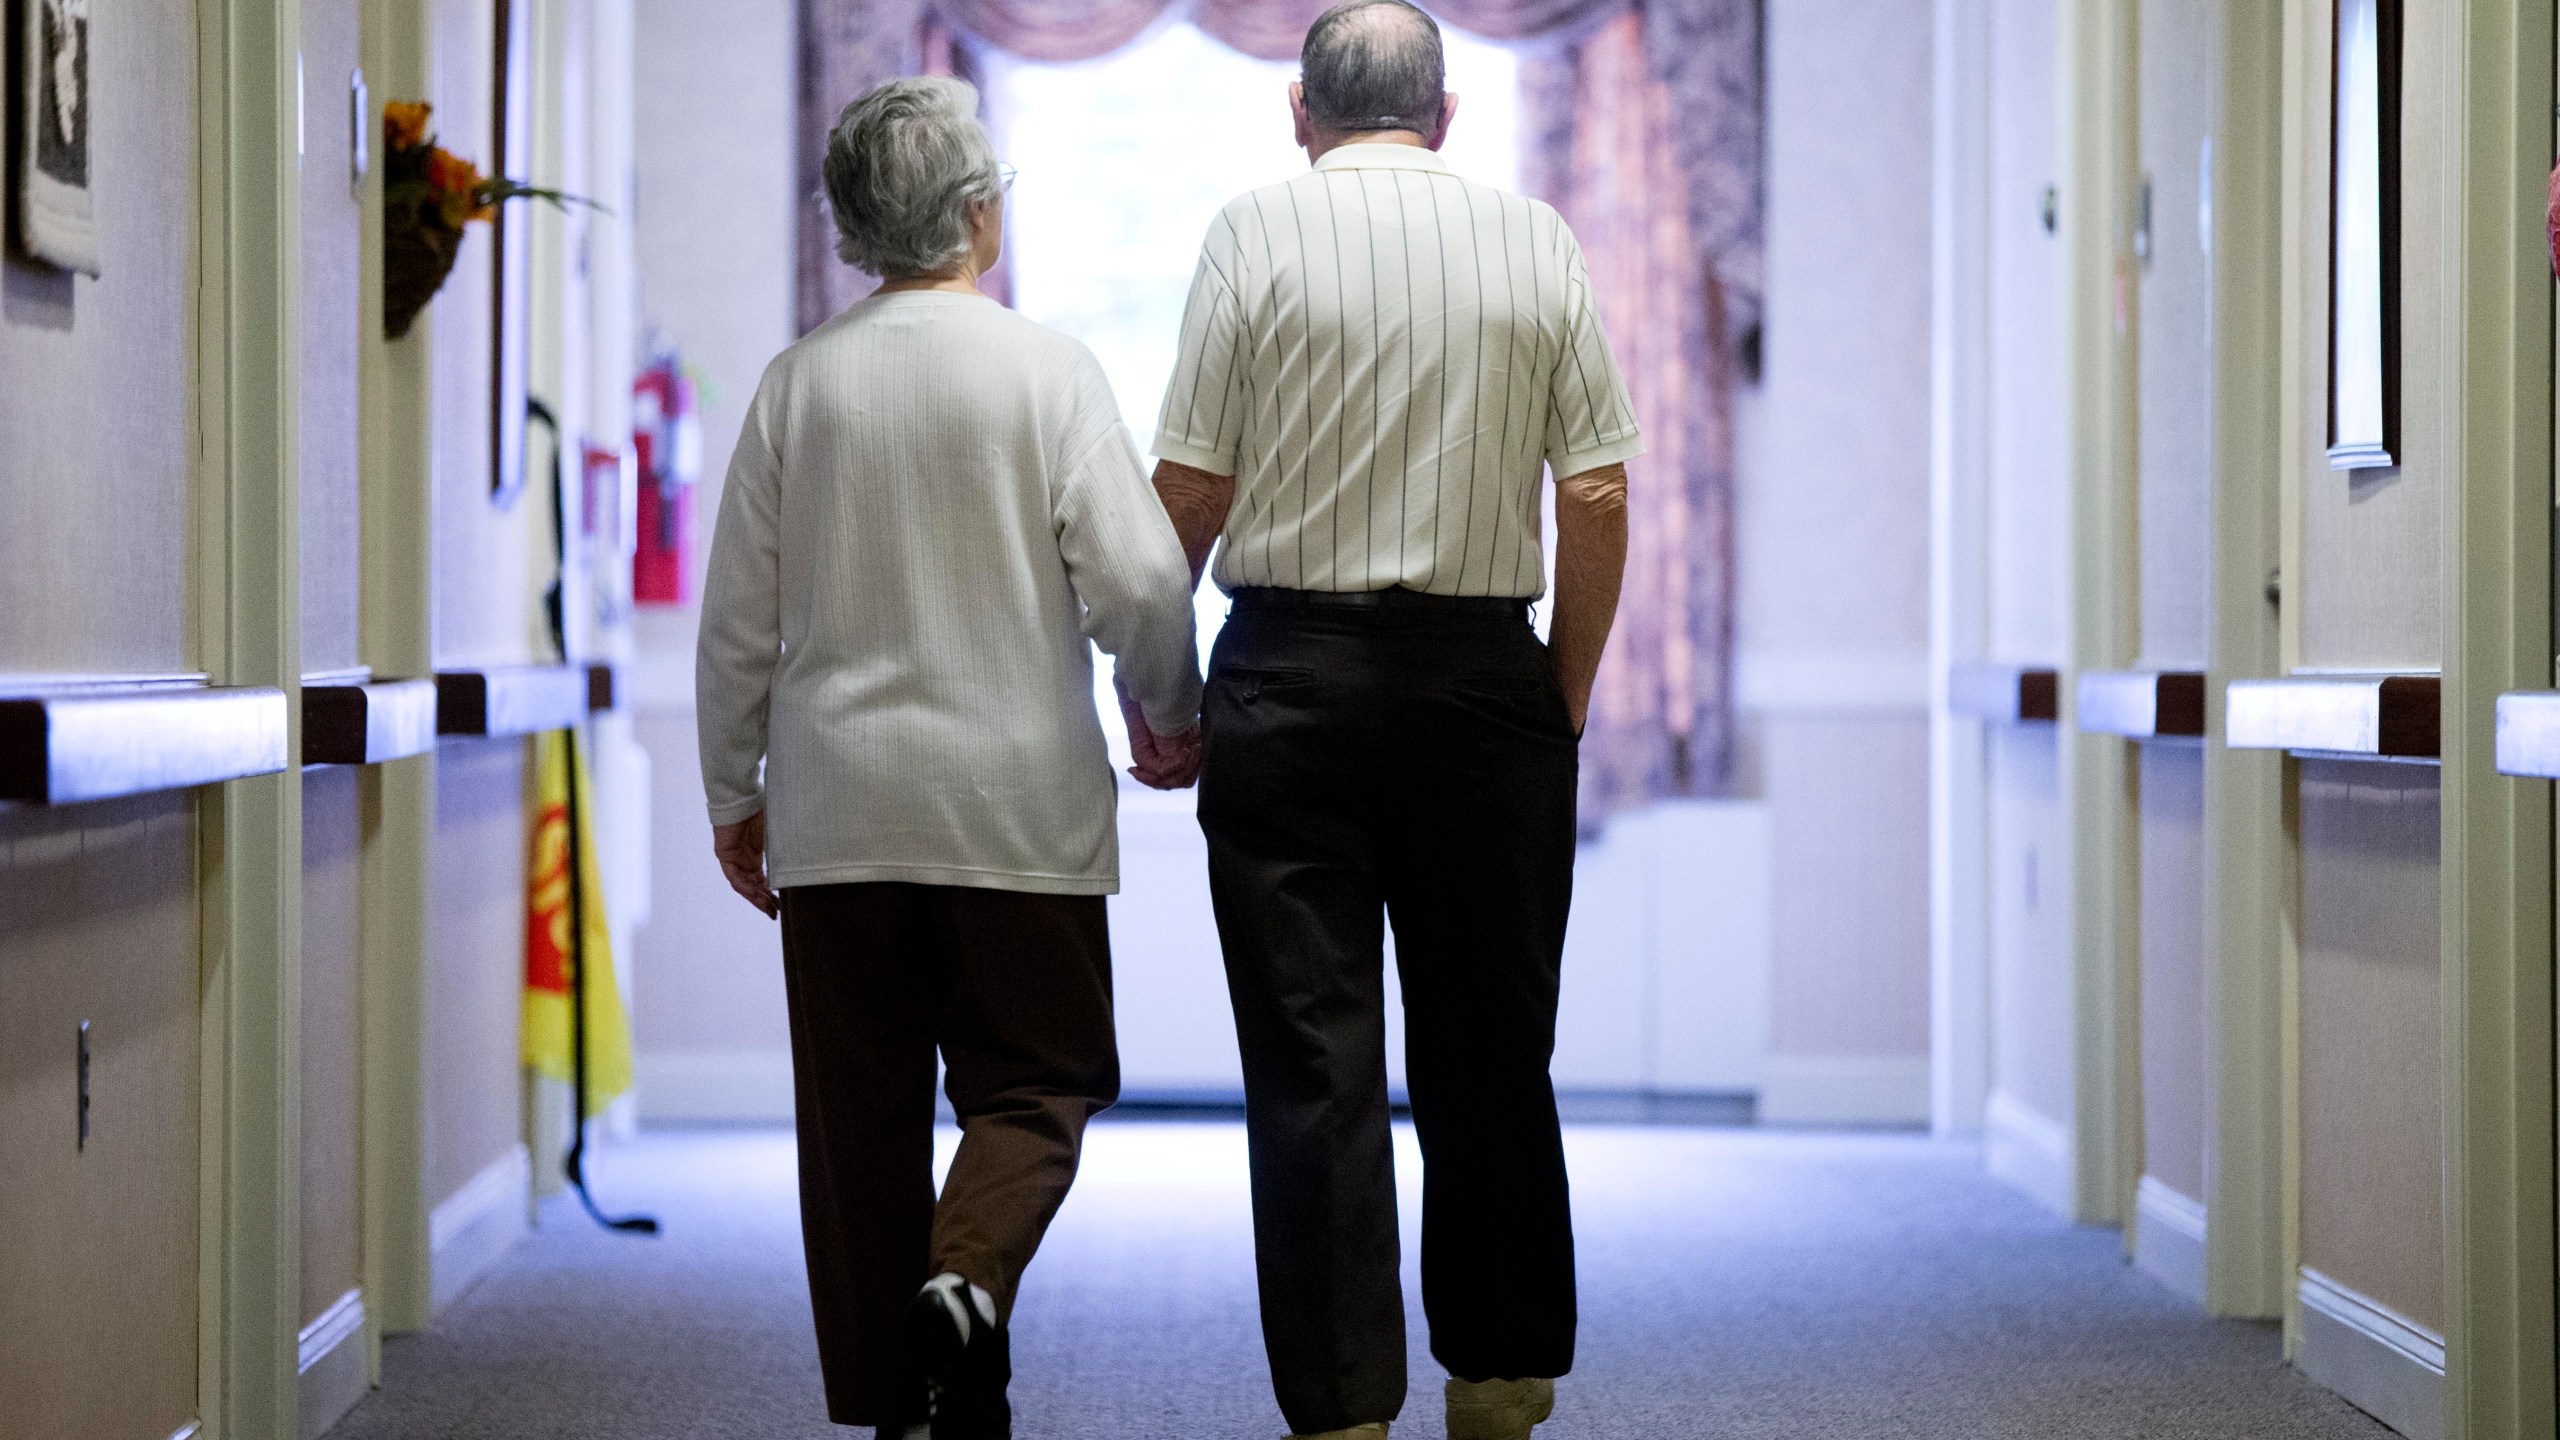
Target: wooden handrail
[[367, 723], [95, 740], [2382, 717], [2005, 694], [511, 699], [2529, 734], [2142, 704]]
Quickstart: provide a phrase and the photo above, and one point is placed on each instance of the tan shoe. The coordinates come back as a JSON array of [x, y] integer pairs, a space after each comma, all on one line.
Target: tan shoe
[[1498, 1409], [1376, 1430]]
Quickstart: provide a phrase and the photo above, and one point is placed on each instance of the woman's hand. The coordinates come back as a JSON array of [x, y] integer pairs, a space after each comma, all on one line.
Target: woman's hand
[[741, 851], [1165, 762]]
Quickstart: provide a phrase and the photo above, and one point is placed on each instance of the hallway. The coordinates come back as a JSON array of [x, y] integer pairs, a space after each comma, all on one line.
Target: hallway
[[2063, 901], [1735, 1283]]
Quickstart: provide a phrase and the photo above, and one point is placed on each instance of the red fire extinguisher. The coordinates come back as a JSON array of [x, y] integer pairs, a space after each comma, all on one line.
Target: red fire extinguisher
[[667, 444]]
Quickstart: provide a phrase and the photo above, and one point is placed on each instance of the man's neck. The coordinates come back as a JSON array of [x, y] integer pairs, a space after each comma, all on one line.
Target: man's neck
[[1327, 144]]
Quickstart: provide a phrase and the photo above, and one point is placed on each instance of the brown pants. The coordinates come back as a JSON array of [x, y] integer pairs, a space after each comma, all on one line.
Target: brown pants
[[1014, 989]]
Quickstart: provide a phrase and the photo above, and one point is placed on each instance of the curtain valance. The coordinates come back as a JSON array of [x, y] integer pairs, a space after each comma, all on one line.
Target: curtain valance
[[1057, 31], [1052, 31]]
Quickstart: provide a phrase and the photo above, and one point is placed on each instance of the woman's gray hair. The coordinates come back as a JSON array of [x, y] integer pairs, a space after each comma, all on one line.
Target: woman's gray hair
[[904, 164]]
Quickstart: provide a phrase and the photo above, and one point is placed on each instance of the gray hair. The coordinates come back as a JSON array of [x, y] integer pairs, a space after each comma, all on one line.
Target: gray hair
[[904, 164], [1373, 65]]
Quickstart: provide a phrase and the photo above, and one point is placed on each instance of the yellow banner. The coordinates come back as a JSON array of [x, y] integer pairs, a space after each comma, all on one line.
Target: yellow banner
[[549, 963]]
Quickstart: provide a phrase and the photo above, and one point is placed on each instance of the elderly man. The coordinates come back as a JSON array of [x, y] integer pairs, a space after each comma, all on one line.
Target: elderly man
[[1378, 360], [932, 507]]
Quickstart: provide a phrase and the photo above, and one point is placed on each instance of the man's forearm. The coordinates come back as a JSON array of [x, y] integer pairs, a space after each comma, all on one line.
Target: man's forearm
[[1198, 502], [1591, 561]]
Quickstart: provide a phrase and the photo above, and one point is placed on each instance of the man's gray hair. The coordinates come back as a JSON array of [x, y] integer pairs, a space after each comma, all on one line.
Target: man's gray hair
[[1371, 65], [904, 164]]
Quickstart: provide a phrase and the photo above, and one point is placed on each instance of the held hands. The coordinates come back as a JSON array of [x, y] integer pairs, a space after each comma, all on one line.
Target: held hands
[[741, 851], [1165, 762]]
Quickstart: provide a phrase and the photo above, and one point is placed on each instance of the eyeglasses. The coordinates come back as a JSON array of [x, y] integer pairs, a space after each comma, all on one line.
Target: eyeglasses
[[1005, 175]]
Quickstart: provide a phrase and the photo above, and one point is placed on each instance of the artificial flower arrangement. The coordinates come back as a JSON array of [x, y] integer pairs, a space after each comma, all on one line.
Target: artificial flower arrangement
[[428, 195]]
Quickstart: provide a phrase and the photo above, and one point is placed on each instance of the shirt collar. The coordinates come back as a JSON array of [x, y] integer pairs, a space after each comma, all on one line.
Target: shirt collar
[[1373, 156]]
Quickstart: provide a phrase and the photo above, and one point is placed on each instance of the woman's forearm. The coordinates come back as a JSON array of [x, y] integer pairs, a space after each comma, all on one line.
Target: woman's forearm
[[1126, 565], [1591, 562]]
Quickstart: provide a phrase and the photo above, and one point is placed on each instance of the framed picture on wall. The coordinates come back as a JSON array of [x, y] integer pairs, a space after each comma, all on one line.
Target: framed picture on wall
[[511, 131], [2364, 237], [51, 91]]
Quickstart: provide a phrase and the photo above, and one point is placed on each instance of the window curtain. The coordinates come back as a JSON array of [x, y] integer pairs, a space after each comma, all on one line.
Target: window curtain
[[846, 47], [1642, 124], [1645, 135]]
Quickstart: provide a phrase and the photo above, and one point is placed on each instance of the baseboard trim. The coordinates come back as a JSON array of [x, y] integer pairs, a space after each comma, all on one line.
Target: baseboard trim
[[1844, 1090], [478, 1224], [2168, 1237], [2029, 1150], [2375, 1358], [332, 1364], [722, 1087]]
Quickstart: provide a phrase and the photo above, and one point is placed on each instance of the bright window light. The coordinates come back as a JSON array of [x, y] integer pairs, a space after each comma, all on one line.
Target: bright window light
[[1124, 163]]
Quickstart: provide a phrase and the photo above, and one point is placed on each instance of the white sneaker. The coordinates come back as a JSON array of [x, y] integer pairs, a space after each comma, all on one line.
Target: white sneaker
[[1498, 1409]]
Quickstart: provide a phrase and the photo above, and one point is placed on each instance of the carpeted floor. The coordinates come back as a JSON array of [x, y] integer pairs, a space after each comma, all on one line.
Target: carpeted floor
[[1735, 1283]]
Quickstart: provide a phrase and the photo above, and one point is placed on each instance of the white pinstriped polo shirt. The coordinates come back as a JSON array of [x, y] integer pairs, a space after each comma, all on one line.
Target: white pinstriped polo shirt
[[1384, 355]]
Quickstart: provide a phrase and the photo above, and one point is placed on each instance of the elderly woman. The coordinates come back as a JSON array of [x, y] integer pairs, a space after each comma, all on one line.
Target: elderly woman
[[933, 506]]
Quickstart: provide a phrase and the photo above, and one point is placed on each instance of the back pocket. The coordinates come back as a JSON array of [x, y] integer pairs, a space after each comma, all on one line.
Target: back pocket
[[1250, 684]]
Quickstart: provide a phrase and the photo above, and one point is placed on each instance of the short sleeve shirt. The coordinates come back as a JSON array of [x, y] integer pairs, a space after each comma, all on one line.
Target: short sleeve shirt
[[1389, 357]]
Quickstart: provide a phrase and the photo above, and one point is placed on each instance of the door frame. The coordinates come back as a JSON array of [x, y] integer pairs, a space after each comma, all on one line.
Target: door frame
[[2101, 164], [397, 635], [247, 483], [2496, 940], [2246, 1264], [1959, 571]]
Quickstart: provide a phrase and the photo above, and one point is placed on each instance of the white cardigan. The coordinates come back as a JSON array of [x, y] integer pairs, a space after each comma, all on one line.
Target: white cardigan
[[932, 506]]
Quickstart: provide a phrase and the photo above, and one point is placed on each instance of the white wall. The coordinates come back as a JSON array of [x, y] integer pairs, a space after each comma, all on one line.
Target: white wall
[[718, 89], [1834, 625], [2028, 850], [96, 570], [1835, 504]]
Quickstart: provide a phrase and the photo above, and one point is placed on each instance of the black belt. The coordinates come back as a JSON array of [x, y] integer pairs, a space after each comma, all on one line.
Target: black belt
[[1258, 597]]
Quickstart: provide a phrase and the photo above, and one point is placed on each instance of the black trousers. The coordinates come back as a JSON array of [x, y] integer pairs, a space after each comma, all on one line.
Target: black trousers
[[1414, 762], [1014, 990]]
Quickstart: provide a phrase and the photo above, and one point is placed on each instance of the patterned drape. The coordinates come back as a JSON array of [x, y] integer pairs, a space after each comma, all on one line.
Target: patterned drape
[[1610, 127], [1643, 126], [1706, 56], [846, 47]]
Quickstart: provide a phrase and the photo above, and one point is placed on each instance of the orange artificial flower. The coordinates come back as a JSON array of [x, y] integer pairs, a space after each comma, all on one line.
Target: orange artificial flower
[[450, 174], [404, 123], [457, 184]]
